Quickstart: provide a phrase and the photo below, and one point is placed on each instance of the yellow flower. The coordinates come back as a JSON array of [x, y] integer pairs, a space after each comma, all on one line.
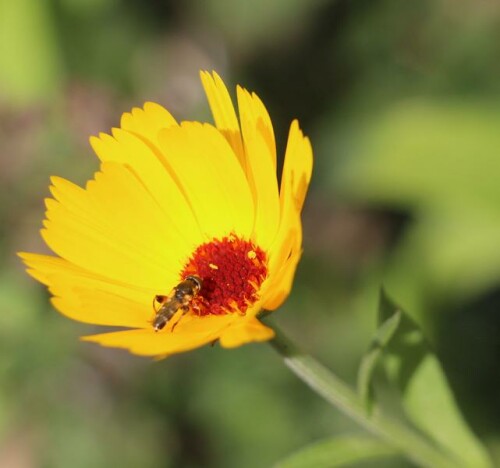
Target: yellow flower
[[177, 200]]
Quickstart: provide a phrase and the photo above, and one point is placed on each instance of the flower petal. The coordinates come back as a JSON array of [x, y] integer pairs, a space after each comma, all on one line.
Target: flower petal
[[147, 122], [297, 168], [90, 298], [148, 343], [195, 332], [210, 177], [280, 287], [252, 108], [286, 249], [118, 230], [150, 166], [260, 149], [223, 113], [100, 307], [245, 331]]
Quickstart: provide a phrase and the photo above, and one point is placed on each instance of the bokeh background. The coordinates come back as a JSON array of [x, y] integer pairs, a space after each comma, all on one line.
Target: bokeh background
[[402, 103]]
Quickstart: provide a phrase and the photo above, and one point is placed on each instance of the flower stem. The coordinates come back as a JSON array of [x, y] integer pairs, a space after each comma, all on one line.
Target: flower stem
[[340, 395]]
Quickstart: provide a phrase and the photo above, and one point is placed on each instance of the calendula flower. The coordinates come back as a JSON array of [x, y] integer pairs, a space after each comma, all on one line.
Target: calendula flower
[[183, 236]]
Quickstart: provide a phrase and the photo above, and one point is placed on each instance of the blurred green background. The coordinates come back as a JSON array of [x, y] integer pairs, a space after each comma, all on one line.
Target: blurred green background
[[402, 103]]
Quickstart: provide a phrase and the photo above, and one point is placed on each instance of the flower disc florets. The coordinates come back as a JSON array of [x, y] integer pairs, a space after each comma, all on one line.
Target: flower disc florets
[[232, 271]]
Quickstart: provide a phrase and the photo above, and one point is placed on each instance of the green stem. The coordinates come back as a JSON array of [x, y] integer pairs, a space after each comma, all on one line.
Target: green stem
[[336, 392]]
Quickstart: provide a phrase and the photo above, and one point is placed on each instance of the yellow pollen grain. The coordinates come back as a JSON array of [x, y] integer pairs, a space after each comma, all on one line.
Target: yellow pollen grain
[[251, 254], [213, 266]]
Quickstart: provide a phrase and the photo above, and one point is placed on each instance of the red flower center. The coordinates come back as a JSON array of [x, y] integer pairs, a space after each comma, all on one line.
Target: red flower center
[[232, 271]]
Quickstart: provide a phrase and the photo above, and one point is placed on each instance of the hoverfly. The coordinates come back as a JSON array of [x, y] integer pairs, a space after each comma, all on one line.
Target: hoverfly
[[180, 298]]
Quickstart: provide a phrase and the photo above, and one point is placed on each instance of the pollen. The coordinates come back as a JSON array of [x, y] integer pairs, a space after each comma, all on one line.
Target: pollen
[[232, 271]]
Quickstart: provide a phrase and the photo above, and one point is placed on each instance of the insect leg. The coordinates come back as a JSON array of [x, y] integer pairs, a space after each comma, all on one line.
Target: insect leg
[[185, 310]]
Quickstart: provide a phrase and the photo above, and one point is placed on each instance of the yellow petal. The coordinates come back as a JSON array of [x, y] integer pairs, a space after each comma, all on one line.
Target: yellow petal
[[289, 231], [90, 298], [147, 342], [286, 249], [297, 168], [113, 229], [260, 152], [51, 270], [252, 108], [147, 122], [101, 308], [223, 113], [210, 178], [151, 168], [282, 282], [245, 331]]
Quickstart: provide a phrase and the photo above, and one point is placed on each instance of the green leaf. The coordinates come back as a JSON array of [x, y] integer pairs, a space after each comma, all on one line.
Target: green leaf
[[338, 451], [371, 358], [426, 396]]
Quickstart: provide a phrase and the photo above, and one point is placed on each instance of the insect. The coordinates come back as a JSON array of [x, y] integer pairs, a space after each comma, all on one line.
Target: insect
[[180, 298]]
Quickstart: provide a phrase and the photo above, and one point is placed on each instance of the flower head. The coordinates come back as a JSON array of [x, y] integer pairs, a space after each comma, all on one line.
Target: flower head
[[173, 201]]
